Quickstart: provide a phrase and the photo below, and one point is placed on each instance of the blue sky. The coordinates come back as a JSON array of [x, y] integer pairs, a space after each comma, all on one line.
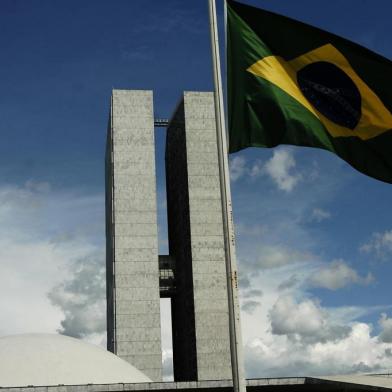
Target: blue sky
[[314, 237]]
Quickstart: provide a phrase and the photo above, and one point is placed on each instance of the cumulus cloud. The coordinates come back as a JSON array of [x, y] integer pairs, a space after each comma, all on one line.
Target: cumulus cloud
[[304, 321], [81, 297], [379, 245], [386, 328], [355, 352], [167, 365], [250, 306], [336, 275], [278, 256], [237, 168], [43, 232], [281, 169], [256, 169], [293, 334], [320, 215], [289, 283], [252, 293], [296, 336], [288, 317], [166, 336], [348, 314], [290, 332], [243, 281], [250, 299], [240, 168]]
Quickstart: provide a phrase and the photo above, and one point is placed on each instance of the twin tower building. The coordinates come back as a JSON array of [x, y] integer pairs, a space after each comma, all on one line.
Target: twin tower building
[[193, 274]]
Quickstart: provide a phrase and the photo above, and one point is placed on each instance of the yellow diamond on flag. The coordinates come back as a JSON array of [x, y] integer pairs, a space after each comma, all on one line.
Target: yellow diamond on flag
[[353, 110]]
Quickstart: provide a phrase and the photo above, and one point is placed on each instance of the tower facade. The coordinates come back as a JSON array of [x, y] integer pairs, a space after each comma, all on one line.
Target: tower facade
[[200, 319], [133, 299], [193, 275]]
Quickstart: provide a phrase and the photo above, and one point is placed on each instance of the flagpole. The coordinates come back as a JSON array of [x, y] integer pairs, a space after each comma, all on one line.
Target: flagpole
[[236, 349]]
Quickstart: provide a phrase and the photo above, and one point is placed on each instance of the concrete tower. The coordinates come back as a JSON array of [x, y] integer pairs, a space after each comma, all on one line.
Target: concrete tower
[[200, 319], [193, 275], [133, 300]]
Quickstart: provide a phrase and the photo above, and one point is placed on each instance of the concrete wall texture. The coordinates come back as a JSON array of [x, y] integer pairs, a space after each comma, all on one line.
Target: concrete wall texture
[[196, 241], [133, 308]]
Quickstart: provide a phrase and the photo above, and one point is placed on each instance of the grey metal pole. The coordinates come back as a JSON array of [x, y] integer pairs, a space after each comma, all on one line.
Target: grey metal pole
[[236, 349]]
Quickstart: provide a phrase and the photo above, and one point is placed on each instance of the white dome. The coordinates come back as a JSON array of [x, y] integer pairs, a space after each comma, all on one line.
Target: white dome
[[44, 359]]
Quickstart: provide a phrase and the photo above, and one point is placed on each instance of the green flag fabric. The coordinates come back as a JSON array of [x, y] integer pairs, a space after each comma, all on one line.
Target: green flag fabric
[[291, 83]]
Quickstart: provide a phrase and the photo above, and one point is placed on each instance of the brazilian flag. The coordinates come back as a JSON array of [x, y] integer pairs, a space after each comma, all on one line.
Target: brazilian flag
[[291, 83]]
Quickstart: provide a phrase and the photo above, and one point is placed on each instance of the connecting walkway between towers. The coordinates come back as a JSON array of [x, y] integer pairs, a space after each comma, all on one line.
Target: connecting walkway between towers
[[167, 281]]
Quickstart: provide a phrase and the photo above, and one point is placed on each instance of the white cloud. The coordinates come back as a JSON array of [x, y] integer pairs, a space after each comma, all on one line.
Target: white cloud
[[304, 321], [166, 336], [278, 256], [251, 293], [249, 306], [317, 347], [277, 356], [380, 245], [281, 169], [288, 331], [348, 314], [320, 215], [358, 349], [237, 168], [292, 334], [167, 365], [27, 271], [386, 328], [336, 275], [243, 168], [289, 283], [288, 317], [81, 298], [43, 233], [256, 170]]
